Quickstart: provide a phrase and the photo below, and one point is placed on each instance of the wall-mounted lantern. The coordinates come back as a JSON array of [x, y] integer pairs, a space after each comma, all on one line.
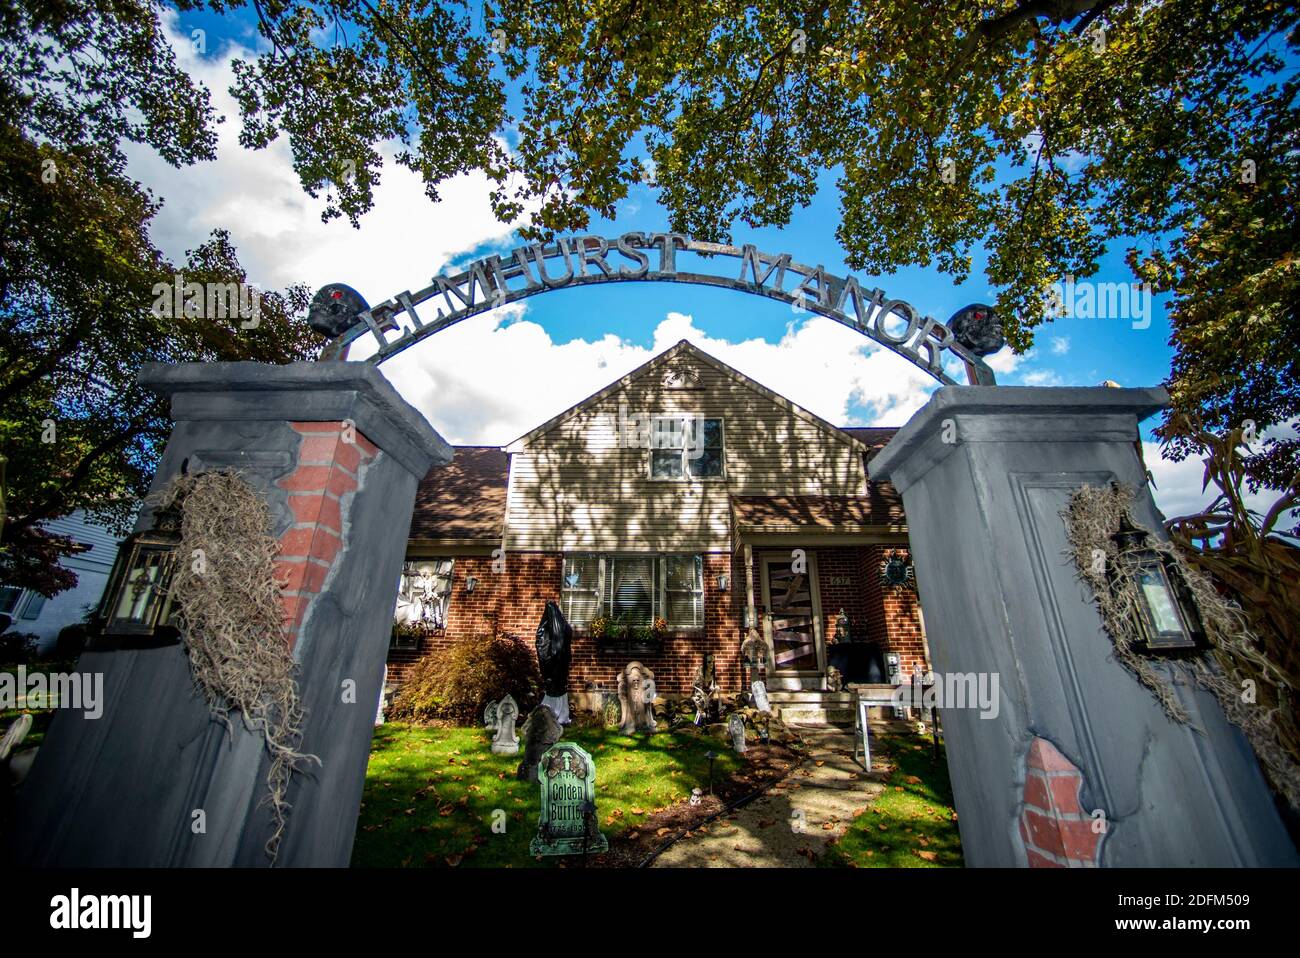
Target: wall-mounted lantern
[[136, 610], [724, 582], [470, 582], [1165, 612]]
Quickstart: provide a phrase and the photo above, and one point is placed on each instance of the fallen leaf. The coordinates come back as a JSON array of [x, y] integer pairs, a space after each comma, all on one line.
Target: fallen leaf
[[928, 856]]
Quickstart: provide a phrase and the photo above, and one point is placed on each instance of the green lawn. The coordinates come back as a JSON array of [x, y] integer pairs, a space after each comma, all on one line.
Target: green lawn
[[431, 793], [40, 716], [912, 824]]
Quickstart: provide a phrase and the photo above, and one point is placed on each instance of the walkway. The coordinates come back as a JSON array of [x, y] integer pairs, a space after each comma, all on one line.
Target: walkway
[[790, 826]]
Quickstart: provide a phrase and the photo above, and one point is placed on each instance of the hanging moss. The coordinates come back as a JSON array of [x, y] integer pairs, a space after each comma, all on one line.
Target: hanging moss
[[231, 620], [1092, 519]]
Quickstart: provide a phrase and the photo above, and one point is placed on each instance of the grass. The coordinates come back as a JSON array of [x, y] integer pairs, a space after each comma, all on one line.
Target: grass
[[41, 717], [912, 824], [432, 794]]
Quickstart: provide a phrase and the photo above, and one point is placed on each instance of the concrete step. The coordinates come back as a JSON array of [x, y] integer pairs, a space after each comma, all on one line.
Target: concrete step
[[811, 697], [807, 714]]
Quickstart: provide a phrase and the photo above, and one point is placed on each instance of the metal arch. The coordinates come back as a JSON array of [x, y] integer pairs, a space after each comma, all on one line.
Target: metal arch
[[485, 285]]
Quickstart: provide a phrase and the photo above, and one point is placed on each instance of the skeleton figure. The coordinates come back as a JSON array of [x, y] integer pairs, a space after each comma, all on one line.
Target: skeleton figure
[[334, 309], [704, 687], [978, 329], [636, 695]]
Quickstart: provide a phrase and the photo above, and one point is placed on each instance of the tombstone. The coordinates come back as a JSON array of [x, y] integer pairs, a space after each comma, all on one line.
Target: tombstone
[[541, 731], [383, 691], [15, 734], [636, 695], [506, 741], [736, 728], [761, 702], [567, 824], [490, 717]]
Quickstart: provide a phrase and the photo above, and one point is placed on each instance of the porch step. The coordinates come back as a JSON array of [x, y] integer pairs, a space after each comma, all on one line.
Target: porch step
[[809, 707]]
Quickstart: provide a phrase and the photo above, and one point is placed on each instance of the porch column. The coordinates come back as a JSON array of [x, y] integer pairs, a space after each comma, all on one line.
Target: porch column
[[984, 473], [156, 781]]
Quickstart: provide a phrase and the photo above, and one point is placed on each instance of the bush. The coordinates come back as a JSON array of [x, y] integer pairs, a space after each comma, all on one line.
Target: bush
[[17, 648], [71, 641], [458, 681]]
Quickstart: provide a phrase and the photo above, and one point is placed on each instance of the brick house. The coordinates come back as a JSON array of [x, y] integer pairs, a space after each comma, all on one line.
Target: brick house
[[685, 492]]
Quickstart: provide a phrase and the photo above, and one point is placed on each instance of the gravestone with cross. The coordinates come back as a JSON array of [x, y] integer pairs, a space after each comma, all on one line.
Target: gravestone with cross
[[567, 824]]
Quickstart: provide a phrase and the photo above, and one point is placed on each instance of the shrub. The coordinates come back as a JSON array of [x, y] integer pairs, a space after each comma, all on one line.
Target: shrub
[[18, 648], [458, 681]]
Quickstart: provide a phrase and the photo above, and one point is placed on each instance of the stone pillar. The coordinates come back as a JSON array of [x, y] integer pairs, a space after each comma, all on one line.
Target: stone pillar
[[338, 455], [984, 473]]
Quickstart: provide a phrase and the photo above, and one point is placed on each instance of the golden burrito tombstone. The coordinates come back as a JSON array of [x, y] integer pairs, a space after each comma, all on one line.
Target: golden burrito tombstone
[[567, 824]]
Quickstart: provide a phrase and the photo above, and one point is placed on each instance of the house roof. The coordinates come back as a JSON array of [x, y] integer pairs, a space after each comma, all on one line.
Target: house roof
[[465, 499], [667, 356], [882, 506]]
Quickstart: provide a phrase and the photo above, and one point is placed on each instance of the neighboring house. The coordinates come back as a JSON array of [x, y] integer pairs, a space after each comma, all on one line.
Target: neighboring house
[[33, 613], [752, 511]]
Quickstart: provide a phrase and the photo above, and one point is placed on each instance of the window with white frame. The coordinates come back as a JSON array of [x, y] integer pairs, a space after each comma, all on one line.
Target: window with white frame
[[686, 447], [10, 596], [634, 588]]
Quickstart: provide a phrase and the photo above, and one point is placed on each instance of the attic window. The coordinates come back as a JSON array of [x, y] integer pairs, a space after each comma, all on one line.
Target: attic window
[[686, 447]]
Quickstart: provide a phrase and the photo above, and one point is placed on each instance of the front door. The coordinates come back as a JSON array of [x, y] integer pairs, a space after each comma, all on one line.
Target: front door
[[793, 604]]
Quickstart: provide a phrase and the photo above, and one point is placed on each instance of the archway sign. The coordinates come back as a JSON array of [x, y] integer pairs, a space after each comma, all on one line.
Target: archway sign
[[587, 260]]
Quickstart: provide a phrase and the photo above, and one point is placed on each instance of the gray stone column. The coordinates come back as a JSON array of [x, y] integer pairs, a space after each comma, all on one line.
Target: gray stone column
[[338, 455], [984, 473]]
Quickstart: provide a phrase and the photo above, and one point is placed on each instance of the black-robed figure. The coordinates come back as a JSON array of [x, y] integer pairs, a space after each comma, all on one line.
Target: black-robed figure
[[554, 653]]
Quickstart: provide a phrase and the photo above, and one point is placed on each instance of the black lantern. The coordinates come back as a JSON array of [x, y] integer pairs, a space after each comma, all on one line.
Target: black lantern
[[136, 610], [1165, 612]]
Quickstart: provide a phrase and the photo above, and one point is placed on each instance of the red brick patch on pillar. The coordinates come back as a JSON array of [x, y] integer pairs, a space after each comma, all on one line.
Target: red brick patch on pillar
[[329, 462], [1057, 832]]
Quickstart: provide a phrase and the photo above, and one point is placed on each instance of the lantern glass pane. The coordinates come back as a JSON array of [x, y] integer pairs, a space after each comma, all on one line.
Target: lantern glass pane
[[1160, 600], [139, 592]]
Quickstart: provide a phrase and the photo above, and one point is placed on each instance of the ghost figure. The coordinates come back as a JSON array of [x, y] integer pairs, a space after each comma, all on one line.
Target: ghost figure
[[636, 695], [554, 652]]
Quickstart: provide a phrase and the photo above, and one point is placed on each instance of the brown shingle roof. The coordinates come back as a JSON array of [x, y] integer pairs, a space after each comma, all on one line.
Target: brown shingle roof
[[465, 499], [882, 506]]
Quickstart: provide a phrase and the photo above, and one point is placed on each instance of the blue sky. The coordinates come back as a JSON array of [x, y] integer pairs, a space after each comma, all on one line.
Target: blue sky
[[478, 383]]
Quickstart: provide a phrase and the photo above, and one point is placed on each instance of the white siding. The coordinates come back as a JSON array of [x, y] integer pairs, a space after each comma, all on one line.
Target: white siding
[[574, 488]]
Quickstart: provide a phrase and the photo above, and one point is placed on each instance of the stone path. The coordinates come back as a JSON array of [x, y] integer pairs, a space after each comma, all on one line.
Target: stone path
[[790, 825]]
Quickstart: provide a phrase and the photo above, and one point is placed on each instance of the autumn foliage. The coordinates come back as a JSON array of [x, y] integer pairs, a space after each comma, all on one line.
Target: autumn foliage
[[458, 681]]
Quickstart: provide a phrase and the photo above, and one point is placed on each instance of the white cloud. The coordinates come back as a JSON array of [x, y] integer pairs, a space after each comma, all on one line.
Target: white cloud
[[1060, 345], [403, 241], [499, 375]]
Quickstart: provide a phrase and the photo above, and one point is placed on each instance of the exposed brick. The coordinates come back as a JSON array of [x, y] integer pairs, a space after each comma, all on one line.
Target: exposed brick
[[1062, 831], [1065, 792], [1041, 861], [302, 575], [1036, 792], [307, 479], [1047, 757], [1042, 831], [318, 508]]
